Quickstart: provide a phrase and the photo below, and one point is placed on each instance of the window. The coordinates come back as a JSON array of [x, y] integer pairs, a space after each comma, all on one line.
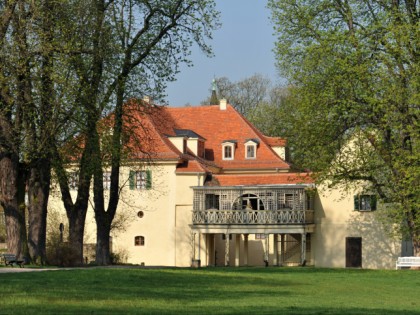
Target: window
[[73, 180], [107, 180], [250, 151], [260, 236], [251, 148], [248, 202], [139, 241], [140, 180], [212, 201], [365, 202], [288, 201], [228, 149], [227, 152]]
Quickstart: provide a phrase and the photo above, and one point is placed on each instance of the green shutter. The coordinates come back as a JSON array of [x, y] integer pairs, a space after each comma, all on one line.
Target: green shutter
[[131, 180], [148, 179], [356, 202], [373, 202]]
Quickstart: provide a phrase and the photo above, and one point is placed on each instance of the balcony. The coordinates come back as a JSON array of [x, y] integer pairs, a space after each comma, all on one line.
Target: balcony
[[239, 217], [247, 206]]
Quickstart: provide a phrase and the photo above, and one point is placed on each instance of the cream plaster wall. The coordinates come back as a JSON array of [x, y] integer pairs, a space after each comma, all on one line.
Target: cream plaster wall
[[280, 151], [335, 219], [168, 206], [183, 214], [157, 225]]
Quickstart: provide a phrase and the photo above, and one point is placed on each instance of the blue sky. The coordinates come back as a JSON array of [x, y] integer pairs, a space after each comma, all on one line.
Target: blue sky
[[242, 46]]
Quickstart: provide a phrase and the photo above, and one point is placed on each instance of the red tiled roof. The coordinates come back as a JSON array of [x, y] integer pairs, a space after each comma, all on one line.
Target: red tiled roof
[[150, 126], [191, 166], [275, 141], [216, 126], [264, 179]]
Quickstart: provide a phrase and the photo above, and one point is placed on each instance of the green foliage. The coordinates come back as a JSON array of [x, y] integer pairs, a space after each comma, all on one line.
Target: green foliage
[[214, 291], [353, 110]]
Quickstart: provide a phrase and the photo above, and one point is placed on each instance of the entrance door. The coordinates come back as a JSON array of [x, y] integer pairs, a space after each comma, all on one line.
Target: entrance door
[[353, 252]]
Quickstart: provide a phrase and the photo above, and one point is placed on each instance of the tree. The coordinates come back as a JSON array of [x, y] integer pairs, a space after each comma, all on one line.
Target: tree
[[30, 115], [245, 95], [133, 47], [254, 97], [10, 121], [355, 75]]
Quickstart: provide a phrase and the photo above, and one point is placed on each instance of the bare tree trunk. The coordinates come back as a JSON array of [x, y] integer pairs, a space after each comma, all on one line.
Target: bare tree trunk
[[103, 252], [12, 195], [38, 193], [416, 246], [76, 232]]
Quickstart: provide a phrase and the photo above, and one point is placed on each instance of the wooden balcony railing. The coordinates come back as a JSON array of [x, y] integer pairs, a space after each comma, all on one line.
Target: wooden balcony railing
[[285, 216]]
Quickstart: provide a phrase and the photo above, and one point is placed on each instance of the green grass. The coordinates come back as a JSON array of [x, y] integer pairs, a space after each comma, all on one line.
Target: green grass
[[211, 291]]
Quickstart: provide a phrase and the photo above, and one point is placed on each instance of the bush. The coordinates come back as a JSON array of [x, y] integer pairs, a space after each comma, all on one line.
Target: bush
[[119, 257], [61, 254]]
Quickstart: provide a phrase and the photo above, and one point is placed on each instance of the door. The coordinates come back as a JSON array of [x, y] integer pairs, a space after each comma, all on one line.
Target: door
[[353, 252]]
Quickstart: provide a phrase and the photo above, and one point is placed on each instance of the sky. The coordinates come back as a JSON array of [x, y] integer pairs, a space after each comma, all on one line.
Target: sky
[[243, 46]]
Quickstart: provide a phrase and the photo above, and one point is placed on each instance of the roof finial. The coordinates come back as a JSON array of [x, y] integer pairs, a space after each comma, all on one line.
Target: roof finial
[[213, 98]]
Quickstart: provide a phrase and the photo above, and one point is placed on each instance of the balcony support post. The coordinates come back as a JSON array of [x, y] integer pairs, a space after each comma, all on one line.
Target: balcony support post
[[246, 249], [303, 250], [227, 249], [237, 248], [282, 239], [276, 250]]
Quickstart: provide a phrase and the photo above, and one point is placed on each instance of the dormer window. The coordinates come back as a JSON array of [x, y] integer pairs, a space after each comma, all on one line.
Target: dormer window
[[251, 148], [250, 151], [228, 148]]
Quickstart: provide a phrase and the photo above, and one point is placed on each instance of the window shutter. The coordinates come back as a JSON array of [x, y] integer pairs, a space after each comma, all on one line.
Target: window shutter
[[131, 179], [148, 179], [356, 202], [373, 202]]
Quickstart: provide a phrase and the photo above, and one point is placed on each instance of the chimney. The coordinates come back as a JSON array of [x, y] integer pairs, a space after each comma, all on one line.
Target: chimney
[[223, 104], [147, 99]]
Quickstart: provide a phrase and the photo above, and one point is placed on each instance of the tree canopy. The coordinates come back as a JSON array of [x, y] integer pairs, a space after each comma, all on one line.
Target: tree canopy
[[354, 71], [64, 66]]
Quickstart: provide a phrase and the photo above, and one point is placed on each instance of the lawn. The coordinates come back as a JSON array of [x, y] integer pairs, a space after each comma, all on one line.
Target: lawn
[[211, 291]]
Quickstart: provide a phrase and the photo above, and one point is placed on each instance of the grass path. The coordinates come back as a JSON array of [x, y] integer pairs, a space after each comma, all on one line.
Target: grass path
[[211, 291]]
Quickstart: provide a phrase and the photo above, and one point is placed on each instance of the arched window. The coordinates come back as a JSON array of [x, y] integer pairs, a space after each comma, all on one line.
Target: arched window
[[248, 202], [228, 149], [139, 241]]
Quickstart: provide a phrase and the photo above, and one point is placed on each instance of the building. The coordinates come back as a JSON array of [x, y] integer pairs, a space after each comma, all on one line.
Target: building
[[202, 186]]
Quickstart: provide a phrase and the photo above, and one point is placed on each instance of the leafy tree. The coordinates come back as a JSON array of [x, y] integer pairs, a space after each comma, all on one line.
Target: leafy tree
[[31, 113], [355, 75], [10, 122], [132, 48]]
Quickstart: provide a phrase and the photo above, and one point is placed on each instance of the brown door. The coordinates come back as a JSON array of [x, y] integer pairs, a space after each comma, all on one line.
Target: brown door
[[353, 252]]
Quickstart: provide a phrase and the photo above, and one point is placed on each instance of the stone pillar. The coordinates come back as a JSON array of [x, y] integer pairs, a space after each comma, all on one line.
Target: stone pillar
[[227, 250], [246, 249], [276, 250], [303, 250], [199, 247], [282, 248], [267, 249], [237, 248]]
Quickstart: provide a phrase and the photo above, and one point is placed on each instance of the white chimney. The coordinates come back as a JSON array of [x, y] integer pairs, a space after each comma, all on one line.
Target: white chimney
[[147, 99], [223, 104]]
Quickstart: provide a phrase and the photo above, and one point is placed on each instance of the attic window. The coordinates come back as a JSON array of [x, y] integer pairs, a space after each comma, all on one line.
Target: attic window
[[251, 149], [228, 148]]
